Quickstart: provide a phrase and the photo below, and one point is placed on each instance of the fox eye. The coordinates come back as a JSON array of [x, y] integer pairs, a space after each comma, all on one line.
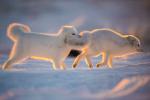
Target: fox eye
[[138, 45], [73, 34]]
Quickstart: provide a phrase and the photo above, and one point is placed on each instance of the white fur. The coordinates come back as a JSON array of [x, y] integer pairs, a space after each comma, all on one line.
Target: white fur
[[54, 47], [107, 42]]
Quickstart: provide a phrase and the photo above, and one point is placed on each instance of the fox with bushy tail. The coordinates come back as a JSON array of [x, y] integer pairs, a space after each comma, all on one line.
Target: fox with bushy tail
[[51, 47]]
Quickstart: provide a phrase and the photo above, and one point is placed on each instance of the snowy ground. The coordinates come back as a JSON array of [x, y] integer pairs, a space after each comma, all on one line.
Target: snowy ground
[[35, 80]]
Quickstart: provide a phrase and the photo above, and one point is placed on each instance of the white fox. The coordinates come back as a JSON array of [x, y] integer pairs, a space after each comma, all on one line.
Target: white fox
[[54, 47], [107, 42]]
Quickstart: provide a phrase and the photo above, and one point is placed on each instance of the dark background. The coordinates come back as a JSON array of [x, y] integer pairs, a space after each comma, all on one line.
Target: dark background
[[125, 16]]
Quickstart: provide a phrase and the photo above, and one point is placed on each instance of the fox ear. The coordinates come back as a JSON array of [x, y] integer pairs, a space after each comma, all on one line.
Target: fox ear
[[131, 40], [62, 29]]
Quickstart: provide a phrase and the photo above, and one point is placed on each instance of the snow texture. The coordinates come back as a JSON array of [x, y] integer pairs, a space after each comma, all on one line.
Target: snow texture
[[35, 80]]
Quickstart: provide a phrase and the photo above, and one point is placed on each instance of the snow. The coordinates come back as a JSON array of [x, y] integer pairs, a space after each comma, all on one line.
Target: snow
[[129, 79], [35, 80]]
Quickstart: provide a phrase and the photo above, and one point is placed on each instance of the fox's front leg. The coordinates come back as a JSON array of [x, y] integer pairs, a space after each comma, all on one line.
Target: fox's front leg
[[77, 59], [106, 60], [88, 61]]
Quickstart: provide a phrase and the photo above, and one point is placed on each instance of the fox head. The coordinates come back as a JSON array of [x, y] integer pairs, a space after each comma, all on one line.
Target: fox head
[[71, 37], [134, 43]]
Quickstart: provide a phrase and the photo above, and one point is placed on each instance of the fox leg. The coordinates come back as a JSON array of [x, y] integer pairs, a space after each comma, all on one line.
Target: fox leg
[[88, 61], [109, 62], [77, 59], [103, 62], [63, 66], [58, 64], [16, 56], [106, 60], [11, 61], [55, 65]]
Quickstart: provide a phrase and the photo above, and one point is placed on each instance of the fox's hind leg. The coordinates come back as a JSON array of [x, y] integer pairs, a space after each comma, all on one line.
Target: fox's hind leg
[[9, 62], [16, 56], [109, 62], [103, 62], [106, 60]]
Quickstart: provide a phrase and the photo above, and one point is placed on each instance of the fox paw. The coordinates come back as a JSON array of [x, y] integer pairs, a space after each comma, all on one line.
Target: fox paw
[[74, 65], [90, 66], [100, 64], [5, 68]]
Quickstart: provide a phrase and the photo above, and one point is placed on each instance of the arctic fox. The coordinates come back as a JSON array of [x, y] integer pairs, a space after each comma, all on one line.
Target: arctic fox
[[54, 47], [107, 42]]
